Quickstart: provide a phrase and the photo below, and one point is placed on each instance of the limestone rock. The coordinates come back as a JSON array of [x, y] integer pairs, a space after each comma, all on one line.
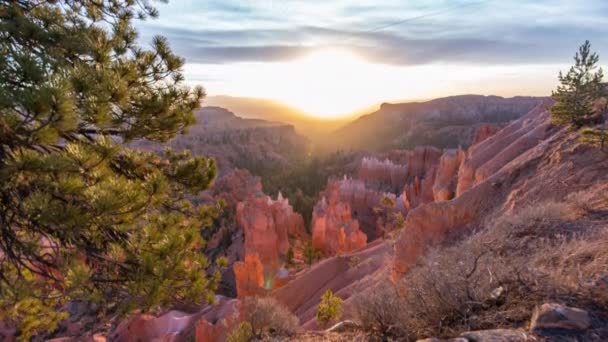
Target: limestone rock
[[148, 328], [422, 163], [216, 324], [498, 335], [333, 228], [249, 275], [382, 174], [483, 132], [557, 316], [446, 178], [492, 162], [267, 226]]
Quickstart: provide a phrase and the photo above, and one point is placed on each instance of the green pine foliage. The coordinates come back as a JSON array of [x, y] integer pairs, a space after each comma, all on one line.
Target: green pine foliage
[[81, 216], [330, 308], [579, 88]]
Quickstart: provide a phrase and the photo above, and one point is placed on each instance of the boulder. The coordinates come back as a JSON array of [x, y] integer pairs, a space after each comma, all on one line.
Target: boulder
[[557, 316], [498, 335]]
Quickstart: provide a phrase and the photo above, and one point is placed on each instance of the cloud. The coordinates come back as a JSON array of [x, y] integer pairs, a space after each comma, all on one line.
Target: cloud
[[488, 31]]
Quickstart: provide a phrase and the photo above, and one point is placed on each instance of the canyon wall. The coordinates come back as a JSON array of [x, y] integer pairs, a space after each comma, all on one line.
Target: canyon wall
[[471, 184]]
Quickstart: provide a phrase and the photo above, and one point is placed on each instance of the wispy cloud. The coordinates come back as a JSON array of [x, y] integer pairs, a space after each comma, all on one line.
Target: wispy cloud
[[215, 35]]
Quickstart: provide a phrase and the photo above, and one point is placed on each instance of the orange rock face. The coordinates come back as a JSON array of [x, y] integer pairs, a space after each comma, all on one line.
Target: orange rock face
[[249, 275], [211, 324], [422, 164], [382, 174], [224, 317], [460, 198], [446, 177], [483, 132], [333, 228], [267, 225]]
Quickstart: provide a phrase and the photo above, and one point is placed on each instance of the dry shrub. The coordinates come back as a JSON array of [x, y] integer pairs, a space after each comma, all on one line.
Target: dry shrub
[[267, 317], [241, 333], [495, 278], [580, 202], [378, 310]]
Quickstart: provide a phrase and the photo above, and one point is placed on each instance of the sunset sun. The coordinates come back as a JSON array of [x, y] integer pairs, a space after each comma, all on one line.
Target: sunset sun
[[324, 81]]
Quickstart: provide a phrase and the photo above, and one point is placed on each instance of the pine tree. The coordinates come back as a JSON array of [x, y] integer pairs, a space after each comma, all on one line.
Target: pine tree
[[81, 216], [578, 90]]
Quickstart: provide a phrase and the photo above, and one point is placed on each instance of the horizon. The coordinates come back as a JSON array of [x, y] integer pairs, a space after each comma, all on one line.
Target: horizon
[[225, 101], [330, 60]]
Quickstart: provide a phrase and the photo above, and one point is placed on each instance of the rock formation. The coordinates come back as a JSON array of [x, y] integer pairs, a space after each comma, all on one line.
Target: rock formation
[[249, 275], [444, 187], [346, 275], [422, 164], [483, 132], [235, 142], [267, 226], [503, 172], [556, 316], [382, 175], [210, 324], [333, 228], [441, 122]]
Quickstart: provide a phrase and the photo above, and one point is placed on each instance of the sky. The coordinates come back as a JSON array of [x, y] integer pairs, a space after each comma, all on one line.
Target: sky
[[330, 58]]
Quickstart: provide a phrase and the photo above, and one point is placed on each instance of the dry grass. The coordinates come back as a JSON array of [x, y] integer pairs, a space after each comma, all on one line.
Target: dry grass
[[495, 278], [580, 202]]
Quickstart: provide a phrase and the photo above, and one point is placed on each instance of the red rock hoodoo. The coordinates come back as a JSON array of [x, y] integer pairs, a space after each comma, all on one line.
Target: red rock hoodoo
[[487, 172], [334, 230], [268, 226]]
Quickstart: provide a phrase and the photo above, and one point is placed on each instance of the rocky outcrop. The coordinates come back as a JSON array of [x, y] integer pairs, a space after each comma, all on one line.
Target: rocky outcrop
[[249, 275], [422, 165], [493, 335], [268, 225], [484, 179], [446, 177], [483, 132], [235, 142], [557, 316], [499, 335], [210, 324], [449, 120], [502, 147], [334, 230], [148, 328], [346, 275], [383, 174]]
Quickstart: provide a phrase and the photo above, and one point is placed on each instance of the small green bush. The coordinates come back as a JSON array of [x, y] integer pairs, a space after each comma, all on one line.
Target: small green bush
[[330, 308]]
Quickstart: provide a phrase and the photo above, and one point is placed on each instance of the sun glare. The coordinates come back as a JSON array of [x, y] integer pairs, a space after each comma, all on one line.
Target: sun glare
[[325, 83], [334, 83]]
